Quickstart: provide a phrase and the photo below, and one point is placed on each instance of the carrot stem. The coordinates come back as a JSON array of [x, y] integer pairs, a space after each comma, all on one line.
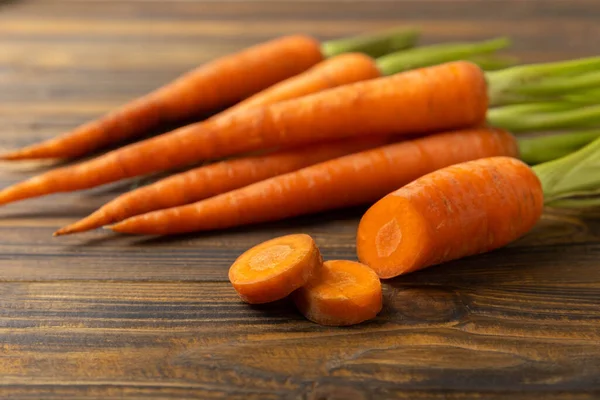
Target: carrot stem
[[505, 86], [540, 149], [572, 180], [436, 54], [577, 202], [373, 44], [493, 62], [562, 84], [589, 96], [543, 116]]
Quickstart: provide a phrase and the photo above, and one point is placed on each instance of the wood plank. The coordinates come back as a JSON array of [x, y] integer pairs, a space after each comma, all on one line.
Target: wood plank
[[426, 337]]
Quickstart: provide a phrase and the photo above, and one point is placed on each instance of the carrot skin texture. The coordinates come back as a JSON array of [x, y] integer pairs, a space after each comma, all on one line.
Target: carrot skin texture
[[457, 211], [333, 72], [273, 269], [356, 179], [219, 83], [340, 293], [413, 102], [214, 179]]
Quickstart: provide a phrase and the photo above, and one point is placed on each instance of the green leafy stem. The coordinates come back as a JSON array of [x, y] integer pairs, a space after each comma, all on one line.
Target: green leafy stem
[[572, 181]]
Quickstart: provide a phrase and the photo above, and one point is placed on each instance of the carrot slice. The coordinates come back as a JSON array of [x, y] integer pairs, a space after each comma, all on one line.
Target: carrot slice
[[340, 293], [273, 269], [454, 212]]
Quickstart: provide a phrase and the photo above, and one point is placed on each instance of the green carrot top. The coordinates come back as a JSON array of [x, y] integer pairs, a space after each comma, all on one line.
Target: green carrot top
[[373, 44], [572, 181]]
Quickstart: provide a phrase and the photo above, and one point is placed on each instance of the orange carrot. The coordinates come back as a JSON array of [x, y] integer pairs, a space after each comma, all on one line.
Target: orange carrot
[[359, 178], [214, 85], [458, 211], [211, 180], [337, 71], [447, 96], [273, 269], [340, 293]]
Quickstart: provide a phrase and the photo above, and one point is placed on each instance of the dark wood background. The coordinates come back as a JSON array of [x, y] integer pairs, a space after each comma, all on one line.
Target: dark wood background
[[105, 316]]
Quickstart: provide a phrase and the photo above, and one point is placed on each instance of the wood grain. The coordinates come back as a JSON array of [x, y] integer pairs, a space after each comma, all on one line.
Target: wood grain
[[100, 316]]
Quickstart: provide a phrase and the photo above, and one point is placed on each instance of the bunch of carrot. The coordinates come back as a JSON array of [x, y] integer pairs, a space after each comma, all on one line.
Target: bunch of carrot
[[246, 126], [332, 133]]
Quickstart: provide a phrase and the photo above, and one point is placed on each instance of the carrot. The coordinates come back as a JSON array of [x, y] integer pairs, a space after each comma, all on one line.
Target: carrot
[[359, 178], [457, 211], [210, 180], [219, 83], [273, 269], [447, 96], [333, 72], [215, 85], [340, 293]]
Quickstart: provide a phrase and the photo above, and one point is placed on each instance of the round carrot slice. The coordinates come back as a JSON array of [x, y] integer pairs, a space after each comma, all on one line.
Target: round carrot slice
[[273, 269], [340, 293]]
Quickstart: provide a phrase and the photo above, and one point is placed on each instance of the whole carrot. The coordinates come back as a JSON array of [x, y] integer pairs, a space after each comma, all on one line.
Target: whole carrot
[[454, 212], [355, 179], [447, 96], [214, 85], [213, 179]]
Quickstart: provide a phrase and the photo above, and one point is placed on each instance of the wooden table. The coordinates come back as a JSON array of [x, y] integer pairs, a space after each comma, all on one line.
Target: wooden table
[[105, 316]]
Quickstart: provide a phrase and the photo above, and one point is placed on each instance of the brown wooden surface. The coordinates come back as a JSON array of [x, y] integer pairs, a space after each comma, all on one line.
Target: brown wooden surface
[[105, 316]]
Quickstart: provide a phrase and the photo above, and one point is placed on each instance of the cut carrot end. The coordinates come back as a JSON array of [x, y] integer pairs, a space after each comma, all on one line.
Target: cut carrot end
[[389, 245], [454, 212], [273, 269], [340, 293]]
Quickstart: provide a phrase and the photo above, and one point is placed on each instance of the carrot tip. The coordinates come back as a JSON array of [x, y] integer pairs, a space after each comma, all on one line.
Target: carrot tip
[[16, 155], [63, 231]]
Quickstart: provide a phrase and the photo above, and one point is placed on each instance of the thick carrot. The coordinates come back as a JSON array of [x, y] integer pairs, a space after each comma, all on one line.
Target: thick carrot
[[447, 96], [340, 293], [458, 211], [359, 178], [273, 269], [215, 85], [213, 179]]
